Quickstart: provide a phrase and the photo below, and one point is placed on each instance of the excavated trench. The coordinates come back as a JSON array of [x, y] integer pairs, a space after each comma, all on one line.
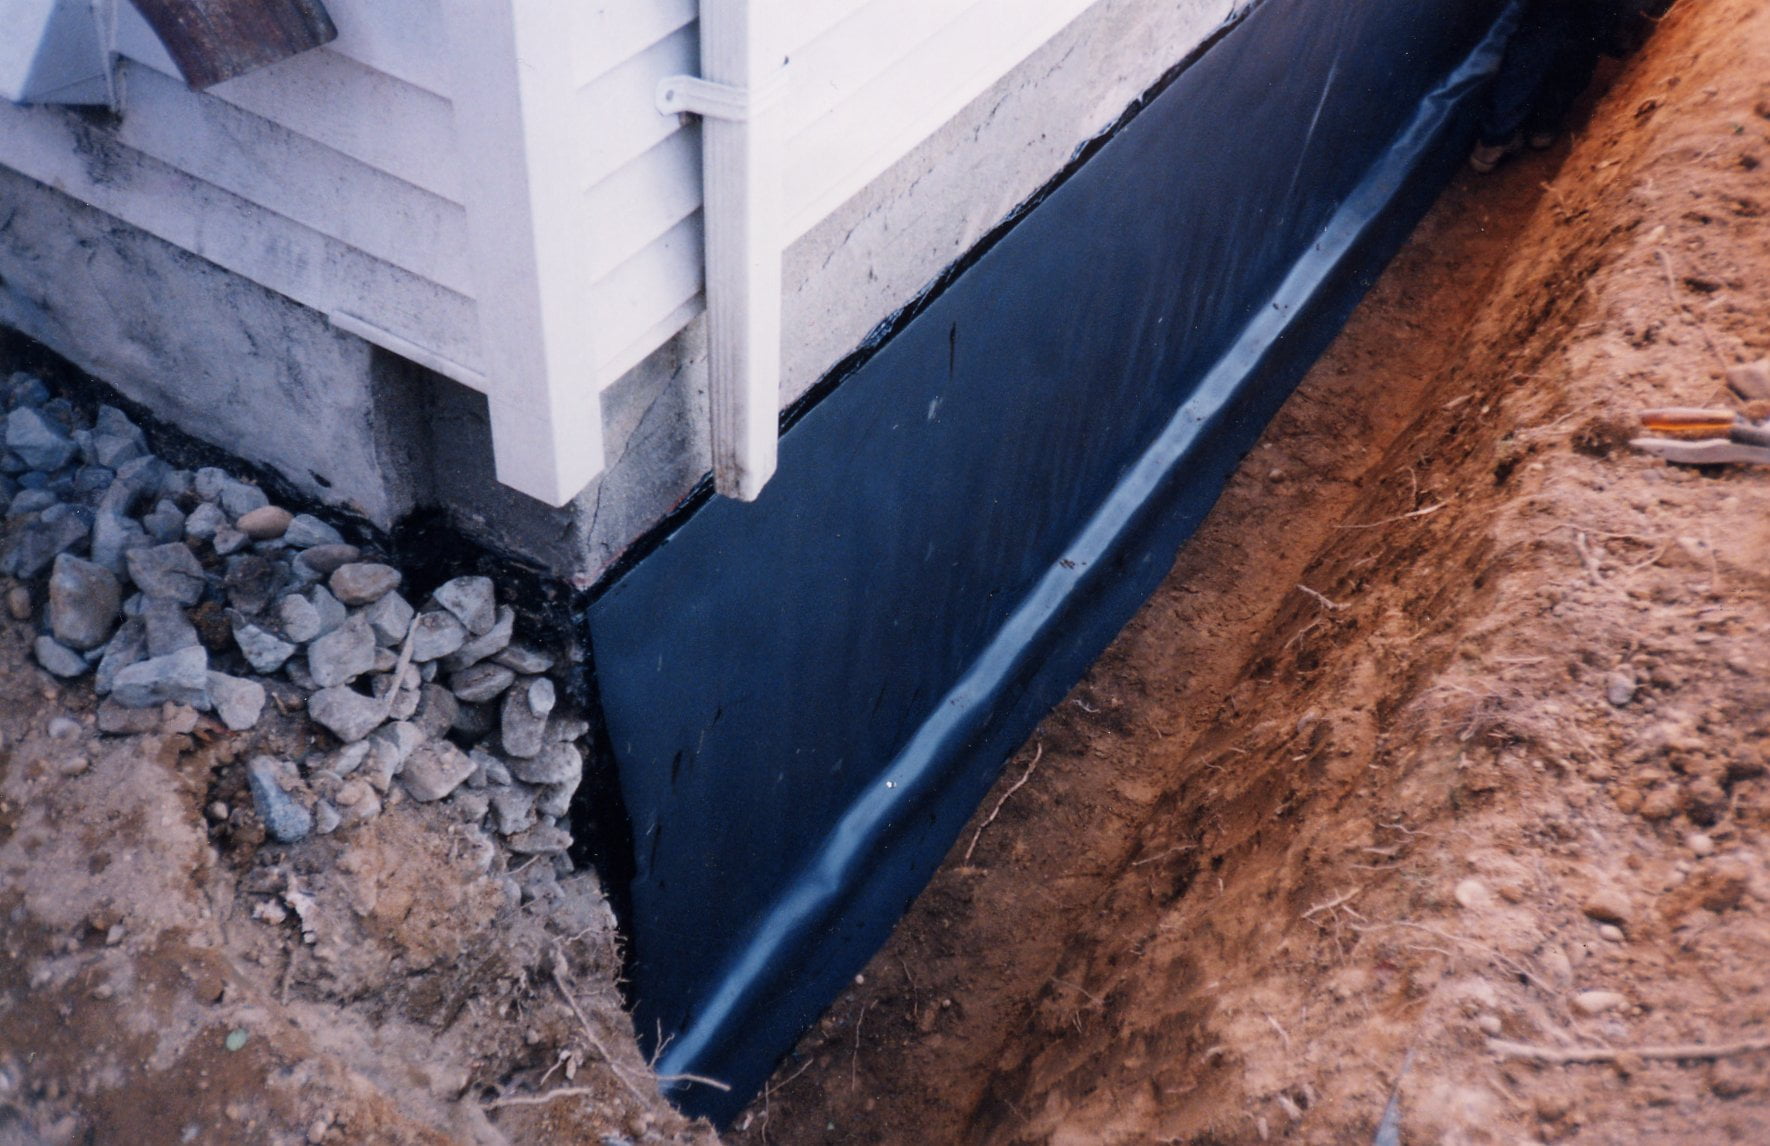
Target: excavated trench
[[1232, 888]]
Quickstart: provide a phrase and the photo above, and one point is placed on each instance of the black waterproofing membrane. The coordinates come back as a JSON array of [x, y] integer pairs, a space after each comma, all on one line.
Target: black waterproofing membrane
[[807, 696]]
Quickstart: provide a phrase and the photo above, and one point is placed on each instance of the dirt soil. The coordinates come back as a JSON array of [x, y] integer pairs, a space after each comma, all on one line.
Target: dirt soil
[[168, 976], [1426, 802]]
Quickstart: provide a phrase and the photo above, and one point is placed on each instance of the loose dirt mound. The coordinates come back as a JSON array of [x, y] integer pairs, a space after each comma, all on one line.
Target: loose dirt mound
[[1437, 767]]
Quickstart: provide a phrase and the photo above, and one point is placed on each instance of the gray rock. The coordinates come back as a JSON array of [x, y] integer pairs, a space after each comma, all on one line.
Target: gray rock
[[264, 651], [522, 731], [306, 531], [137, 480], [437, 710], [115, 439], [363, 582], [470, 806], [434, 770], [325, 818], [169, 571], [525, 659], [25, 389], [403, 704], [299, 620], [204, 521], [343, 654], [168, 629], [238, 499], [401, 738], [228, 540], [37, 440], [35, 544], [472, 600], [436, 634], [541, 840], [238, 702], [385, 658], [30, 501], [83, 602], [324, 560], [390, 617], [556, 799], [332, 612], [488, 644], [165, 524], [57, 659], [554, 764], [127, 646], [175, 484], [208, 483], [497, 773], [513, 810], [562, 728], [91, 481], [357, 801], [542, 696], [251, 581], [1619, 688], [113, 536], [285, 820], [346, 714], [181, 677], [264, 523], [348, 758], [480, 683], [119, 721]]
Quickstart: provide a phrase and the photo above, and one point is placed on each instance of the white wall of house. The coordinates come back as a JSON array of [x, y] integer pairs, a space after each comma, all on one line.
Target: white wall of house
[[348, 180]]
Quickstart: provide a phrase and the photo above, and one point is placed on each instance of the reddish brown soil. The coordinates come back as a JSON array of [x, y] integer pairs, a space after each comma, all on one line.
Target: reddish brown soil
[[1346, 811]]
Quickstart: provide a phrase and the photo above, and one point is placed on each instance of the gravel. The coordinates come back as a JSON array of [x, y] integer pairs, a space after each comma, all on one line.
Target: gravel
[[170, 571], [238, 702], [181, 677], [436, 634], [346, 714], [363, 583], [285, 820], [434, 770], [58, 659], [265, 523], [187, 592], [472, 601], [84, 601], [343, 654]]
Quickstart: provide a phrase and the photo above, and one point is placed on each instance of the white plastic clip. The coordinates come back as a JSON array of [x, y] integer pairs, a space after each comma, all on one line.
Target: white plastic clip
[[691, 95]]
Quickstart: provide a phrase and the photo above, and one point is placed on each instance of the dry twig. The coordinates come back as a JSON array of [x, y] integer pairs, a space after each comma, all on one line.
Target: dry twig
[[538, 1099], [1038, 751], [1555, 1056], [1322, 600], [1426, 512]]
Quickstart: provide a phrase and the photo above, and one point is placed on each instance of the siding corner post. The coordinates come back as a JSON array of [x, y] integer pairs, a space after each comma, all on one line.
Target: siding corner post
[[517, 132], [743, 141]]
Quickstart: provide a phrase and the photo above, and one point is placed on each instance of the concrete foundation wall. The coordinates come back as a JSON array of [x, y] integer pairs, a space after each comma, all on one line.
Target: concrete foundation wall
[[247, 369], [221, 357]]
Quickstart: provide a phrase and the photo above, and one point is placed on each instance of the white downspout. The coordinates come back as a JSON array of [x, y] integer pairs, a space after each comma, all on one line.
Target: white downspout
[[742, 138]]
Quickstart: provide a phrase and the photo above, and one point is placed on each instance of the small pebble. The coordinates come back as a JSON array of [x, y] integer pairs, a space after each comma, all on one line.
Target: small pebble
[[1489, 1023], [1473, 895], [18, 603], [1607, 904], [1619, 688], [1700, 844], [1611, 932], [264, 523], [1598, 1002]]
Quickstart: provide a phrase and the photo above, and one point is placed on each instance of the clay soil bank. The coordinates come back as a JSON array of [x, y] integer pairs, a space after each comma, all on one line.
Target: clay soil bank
[[1440, 758]]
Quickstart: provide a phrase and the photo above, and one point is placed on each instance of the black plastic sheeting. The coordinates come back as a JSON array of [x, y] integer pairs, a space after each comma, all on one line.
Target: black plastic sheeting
[[807, 696]]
